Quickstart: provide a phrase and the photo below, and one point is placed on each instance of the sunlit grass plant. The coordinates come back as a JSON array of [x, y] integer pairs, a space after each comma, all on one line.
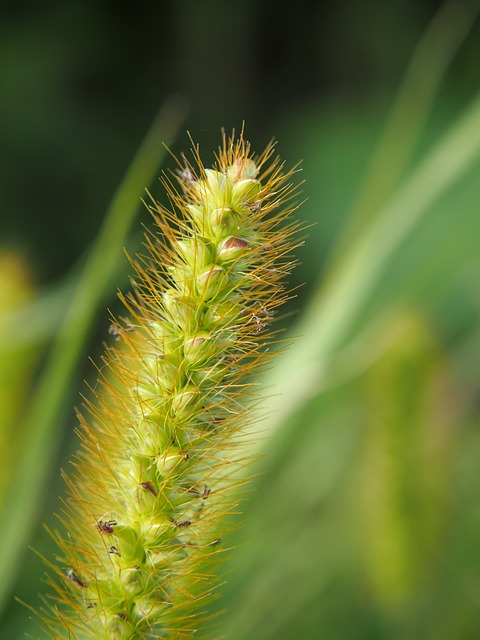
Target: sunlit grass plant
[[162, 431]]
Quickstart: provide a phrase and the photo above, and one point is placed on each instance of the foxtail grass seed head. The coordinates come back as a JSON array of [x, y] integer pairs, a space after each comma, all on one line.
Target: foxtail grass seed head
[[161, 436]]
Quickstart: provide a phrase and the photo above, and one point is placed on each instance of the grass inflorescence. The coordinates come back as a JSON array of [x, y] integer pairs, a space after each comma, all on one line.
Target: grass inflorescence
[[163, 431]]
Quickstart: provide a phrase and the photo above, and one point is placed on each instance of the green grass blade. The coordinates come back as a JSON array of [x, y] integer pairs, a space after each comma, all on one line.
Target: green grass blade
[[412, 106], [336, 305], [41, 428]]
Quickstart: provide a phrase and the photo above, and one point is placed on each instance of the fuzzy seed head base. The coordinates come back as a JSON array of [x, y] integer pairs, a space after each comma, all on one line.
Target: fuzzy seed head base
[[161, 433]]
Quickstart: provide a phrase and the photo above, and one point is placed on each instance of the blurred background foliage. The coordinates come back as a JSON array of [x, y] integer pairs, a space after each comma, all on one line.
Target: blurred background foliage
[[364, 518]]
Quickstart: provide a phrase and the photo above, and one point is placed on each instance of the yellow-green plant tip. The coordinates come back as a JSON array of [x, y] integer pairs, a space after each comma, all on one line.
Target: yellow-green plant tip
[[161, 452]]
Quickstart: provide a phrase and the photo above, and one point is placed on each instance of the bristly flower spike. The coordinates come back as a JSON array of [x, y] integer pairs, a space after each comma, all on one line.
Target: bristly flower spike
[[161, 436]]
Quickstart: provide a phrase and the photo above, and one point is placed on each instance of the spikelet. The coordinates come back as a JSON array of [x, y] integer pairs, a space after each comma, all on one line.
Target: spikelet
[[162, 443]]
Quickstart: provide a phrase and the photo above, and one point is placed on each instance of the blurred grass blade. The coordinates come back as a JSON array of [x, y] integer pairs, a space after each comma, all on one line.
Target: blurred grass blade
[[36, 322], [42, 432], [337, 304], [413, 103]]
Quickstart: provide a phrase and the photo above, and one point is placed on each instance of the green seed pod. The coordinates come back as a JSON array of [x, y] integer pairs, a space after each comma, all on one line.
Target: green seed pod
[[212, 375], [133, 580], [200, 350], [223, 314], [180, 310], [223, 220], [232, 248], [242, 168], [183, 401], [169, 460], [210, 282], [245, 191], [194, 253]]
